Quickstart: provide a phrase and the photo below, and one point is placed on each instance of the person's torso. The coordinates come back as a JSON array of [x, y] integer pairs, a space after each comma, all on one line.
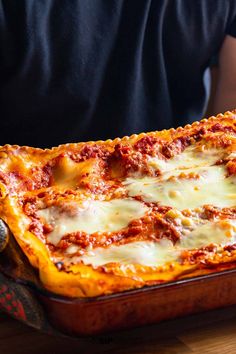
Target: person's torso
[[81, 70]]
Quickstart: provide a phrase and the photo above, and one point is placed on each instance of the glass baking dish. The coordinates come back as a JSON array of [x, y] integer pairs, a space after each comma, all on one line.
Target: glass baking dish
[[23, 297]]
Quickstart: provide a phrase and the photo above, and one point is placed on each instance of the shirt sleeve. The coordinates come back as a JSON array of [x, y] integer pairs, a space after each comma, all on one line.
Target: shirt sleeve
[[232, 28]]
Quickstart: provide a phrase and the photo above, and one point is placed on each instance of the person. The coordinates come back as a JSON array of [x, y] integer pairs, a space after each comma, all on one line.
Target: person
[[83, 70]]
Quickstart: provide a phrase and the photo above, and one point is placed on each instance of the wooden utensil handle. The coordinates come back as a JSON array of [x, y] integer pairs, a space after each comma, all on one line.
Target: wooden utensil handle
[[4, 235]]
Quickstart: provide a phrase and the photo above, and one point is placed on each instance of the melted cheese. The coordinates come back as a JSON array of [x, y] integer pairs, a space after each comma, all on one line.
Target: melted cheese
[[190, 157], [221, 233], [92, 216], [68, 174], [149, 253], [140, 252], [210, 187], [203, 183]]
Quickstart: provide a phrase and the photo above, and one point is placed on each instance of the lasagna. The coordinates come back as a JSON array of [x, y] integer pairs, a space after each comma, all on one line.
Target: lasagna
[[102, 217]]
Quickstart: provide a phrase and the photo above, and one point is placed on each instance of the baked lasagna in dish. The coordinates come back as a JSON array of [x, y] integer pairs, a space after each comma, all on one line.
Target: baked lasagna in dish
[[102, 217]]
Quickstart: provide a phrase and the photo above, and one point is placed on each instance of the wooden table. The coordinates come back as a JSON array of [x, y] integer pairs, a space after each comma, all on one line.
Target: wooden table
[[211, 332]]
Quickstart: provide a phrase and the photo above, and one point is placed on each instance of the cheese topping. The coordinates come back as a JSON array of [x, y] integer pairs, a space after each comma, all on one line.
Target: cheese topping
[[219, 232], [141, 252], [91, 216], [68, 174], [155, 254], [190, 157], [188, 180], [199, 186]]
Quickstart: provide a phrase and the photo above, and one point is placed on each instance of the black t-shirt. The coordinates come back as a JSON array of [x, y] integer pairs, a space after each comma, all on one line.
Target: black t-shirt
[[95, 69]]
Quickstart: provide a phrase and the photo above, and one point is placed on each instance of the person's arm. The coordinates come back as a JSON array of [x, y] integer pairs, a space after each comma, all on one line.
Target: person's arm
[[224, 90]]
